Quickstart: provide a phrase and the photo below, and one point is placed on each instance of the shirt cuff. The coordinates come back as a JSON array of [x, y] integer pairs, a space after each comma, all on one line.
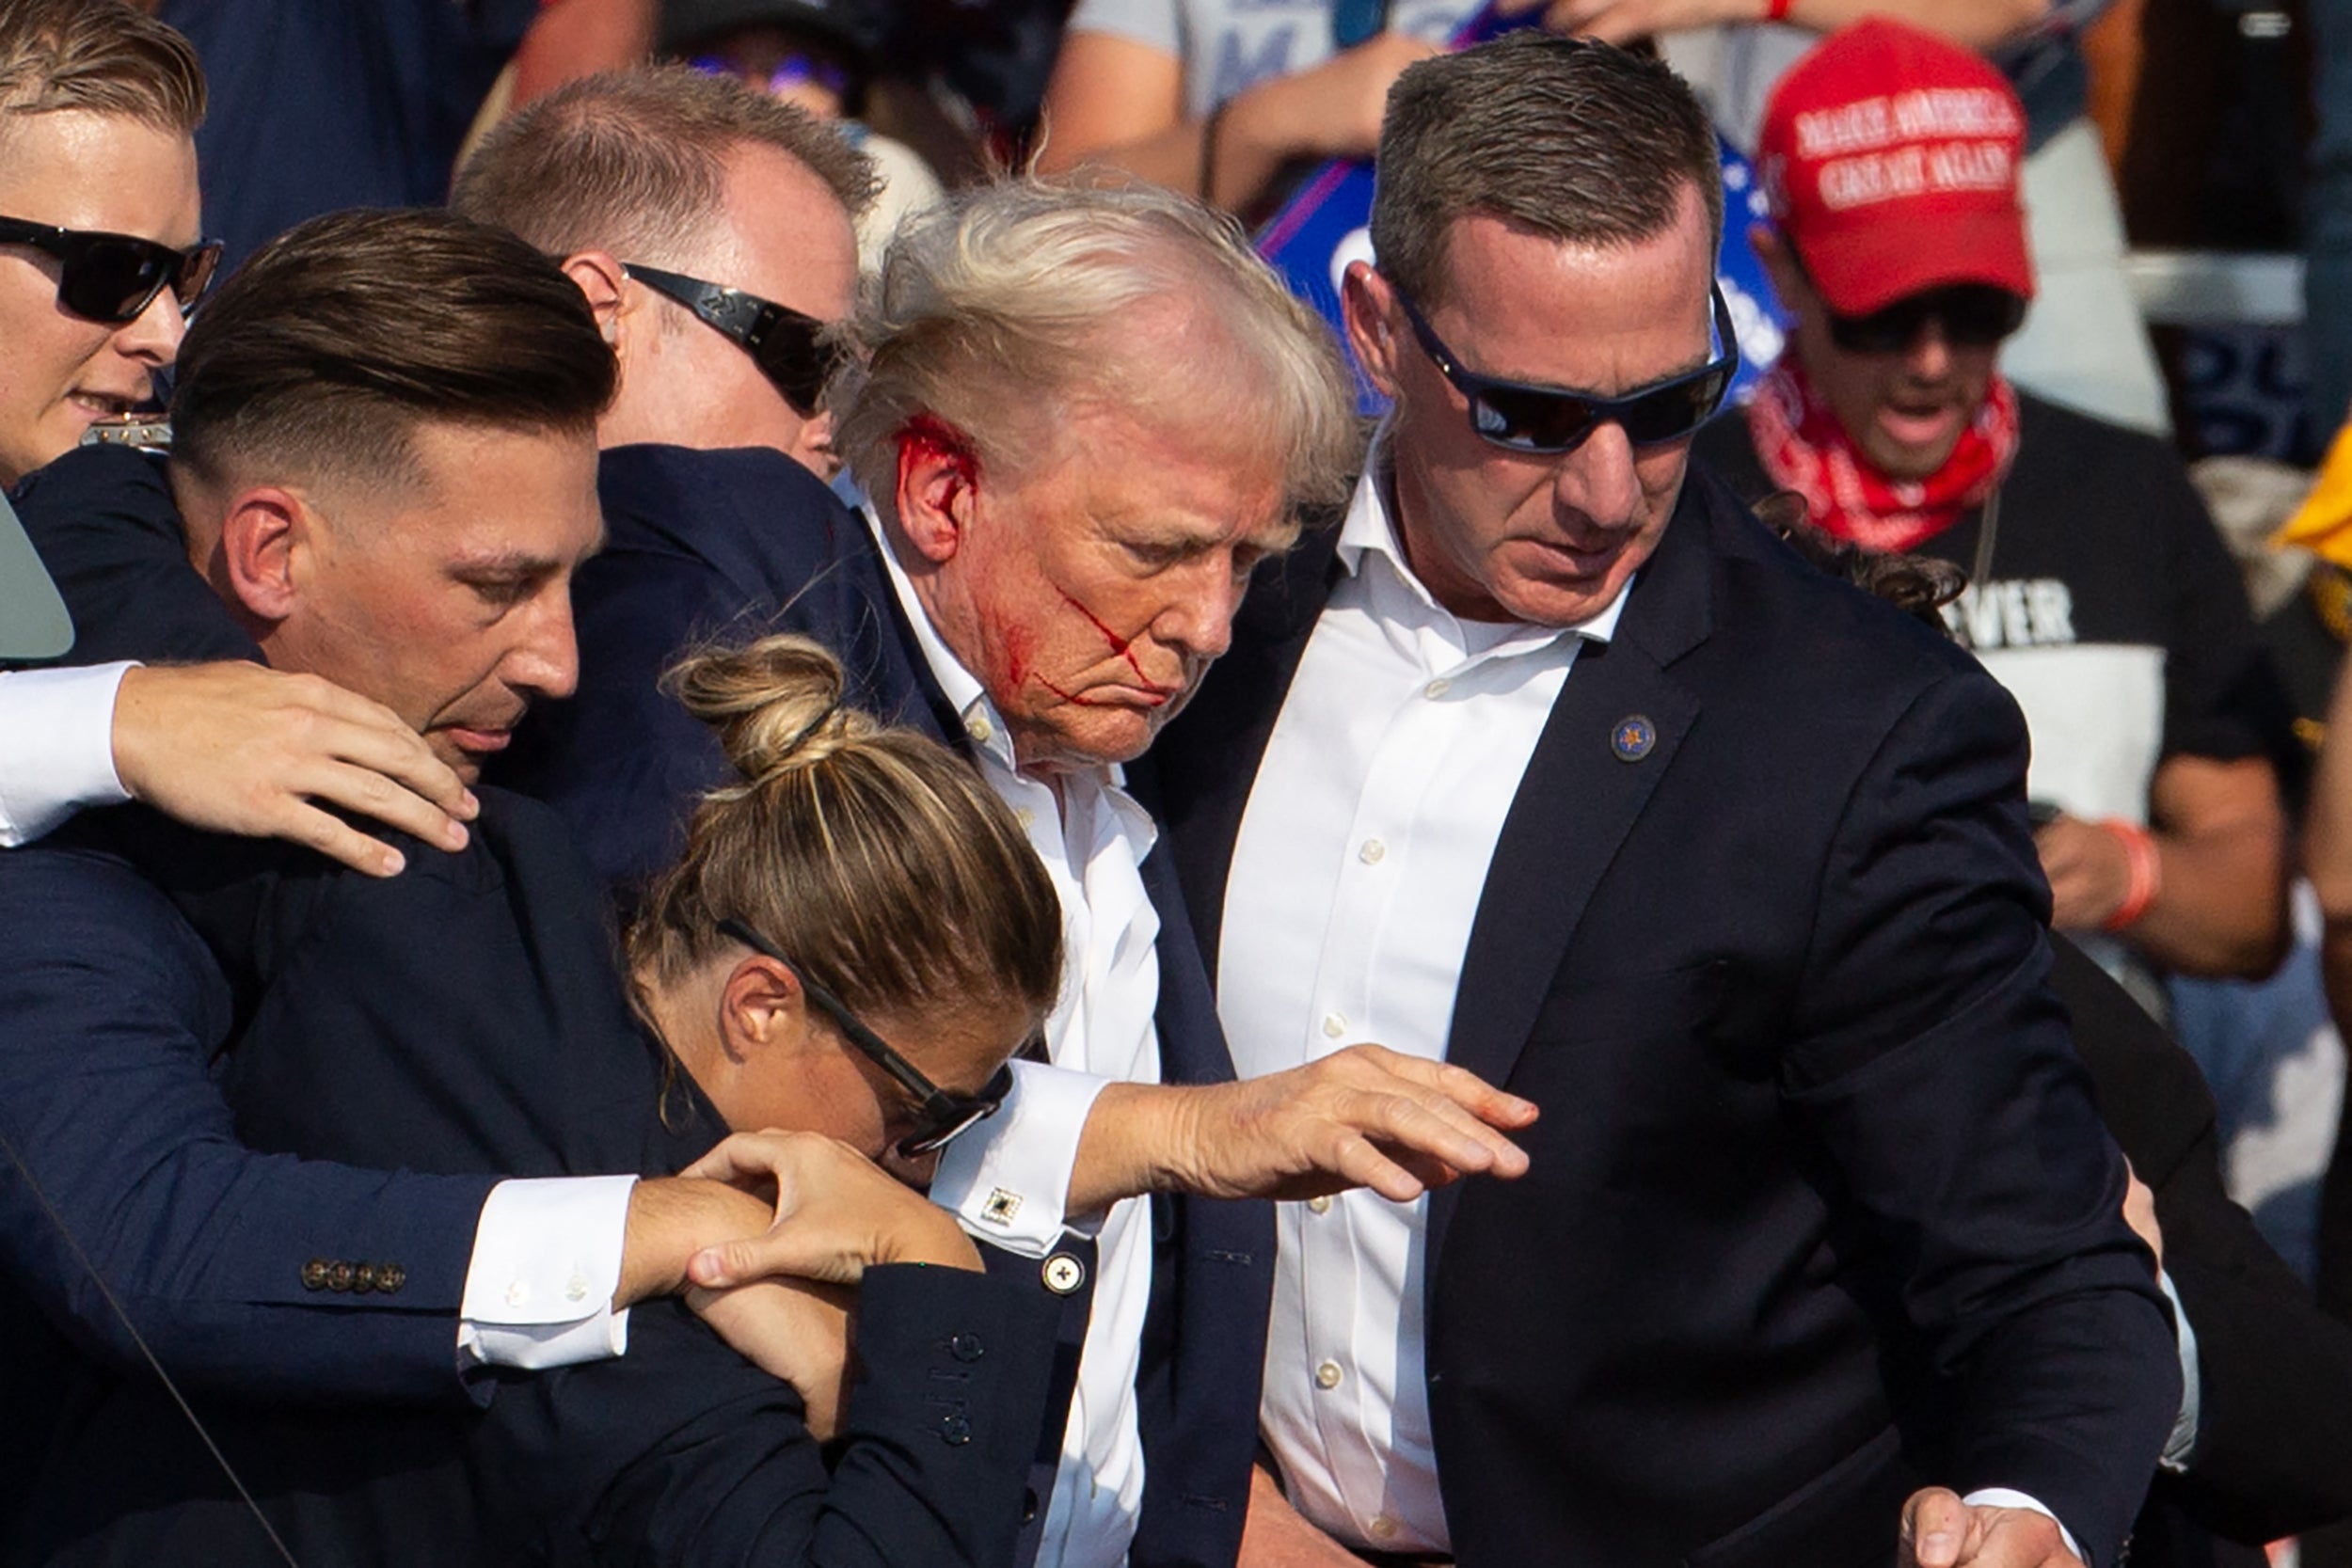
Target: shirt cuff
[[1007, 1179], [547, 1258], [56, 746], [2183, 1443], [2001, 1496]]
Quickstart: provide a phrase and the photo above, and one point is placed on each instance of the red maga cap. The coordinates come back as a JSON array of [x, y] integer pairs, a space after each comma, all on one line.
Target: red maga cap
[[1891, 159]]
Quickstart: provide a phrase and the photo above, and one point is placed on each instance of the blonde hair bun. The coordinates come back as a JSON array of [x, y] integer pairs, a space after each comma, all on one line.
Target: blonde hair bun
[[776, 704]]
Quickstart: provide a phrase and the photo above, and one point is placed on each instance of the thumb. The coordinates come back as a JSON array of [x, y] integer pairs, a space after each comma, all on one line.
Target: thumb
[[1933, 1521]]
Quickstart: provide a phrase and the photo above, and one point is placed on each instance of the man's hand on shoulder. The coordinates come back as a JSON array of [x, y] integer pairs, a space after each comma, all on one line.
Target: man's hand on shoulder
[[1365, 1116], [1940, 1532], [235, 748]]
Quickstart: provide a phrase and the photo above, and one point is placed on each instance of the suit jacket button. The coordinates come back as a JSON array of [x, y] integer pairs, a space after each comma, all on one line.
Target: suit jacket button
[[364, 1278], [1063, 1273], [314, 1275], [955, 1431], [964, 1347], [390, 1277], [339, 1275]]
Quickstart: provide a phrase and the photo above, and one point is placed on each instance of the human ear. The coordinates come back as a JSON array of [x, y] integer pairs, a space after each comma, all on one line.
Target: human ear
[[762, 1010], [600, 278], [263, 537], [1368, 305], [939, 480], [1780, 265]]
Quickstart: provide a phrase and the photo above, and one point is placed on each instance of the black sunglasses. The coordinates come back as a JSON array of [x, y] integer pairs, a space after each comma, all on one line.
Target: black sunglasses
[[1525, 418], [1974, 315], [796, 351], [940, 1116], [115, 278]]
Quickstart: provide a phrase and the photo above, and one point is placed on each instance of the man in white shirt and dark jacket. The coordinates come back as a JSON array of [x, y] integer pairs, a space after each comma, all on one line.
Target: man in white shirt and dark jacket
[[1553, 764]]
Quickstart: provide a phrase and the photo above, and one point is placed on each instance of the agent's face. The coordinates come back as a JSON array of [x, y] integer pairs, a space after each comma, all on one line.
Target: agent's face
[[782, 236], [838, 1090], [1547, 539], [1090, 594], [448, 601], [60, 372]]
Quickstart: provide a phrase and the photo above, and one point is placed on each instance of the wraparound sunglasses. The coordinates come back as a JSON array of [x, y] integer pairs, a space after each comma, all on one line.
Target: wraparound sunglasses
[[115, 278]]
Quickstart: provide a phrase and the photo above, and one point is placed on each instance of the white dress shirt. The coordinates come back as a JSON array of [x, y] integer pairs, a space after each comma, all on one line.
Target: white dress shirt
[[1008, 1178], [1356, 876], [546, 1254]]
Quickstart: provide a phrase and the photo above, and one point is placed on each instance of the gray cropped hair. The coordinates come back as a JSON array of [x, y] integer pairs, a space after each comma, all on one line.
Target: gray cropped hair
[[1017, 304]]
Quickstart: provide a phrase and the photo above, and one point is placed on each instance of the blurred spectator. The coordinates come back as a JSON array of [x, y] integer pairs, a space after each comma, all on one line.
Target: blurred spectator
[[1222, 97], [2084, 344], [2327, 218], [321, 104], [822, 55], [2099, 593], [100, 250]]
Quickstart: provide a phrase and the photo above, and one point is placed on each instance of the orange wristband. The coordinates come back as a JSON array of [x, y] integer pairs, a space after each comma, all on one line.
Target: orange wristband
[[2146, 869]]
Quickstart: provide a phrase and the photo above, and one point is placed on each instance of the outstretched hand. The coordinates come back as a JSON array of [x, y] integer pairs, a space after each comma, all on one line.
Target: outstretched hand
[[836, 1214], [1365, 1116], [235, 748], [1940, 1532]]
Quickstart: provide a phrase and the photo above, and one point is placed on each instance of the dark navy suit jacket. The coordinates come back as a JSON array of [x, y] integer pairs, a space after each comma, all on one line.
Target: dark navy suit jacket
[[1819, 1203], [733, 544], [464, 1019]]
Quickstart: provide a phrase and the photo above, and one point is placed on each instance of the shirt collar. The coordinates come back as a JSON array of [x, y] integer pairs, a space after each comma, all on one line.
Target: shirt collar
[[1369, 531]]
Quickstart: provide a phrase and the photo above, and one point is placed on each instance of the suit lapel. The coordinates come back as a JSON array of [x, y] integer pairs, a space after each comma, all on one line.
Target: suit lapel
[[1614, 730]]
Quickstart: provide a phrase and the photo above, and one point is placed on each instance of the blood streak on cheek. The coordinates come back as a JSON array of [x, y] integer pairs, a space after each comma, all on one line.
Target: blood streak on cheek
[[1122, 646]]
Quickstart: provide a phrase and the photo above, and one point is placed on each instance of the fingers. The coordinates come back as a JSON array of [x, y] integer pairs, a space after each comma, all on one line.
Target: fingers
[[338, 840], [1935, 1520], [360, 788], [785, 1252], [1463, 1087]]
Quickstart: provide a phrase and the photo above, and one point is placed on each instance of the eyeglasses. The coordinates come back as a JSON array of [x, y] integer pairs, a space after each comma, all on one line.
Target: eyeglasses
[[115, 278], [796, 351], [939, 1115], [1974, 315], [1524, 417]]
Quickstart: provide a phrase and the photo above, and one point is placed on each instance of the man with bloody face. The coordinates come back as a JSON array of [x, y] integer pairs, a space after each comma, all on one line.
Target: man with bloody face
[[2102, 597], [1084, 417]]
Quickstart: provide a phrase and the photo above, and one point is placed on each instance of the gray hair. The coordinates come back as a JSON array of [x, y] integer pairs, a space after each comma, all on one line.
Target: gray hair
[[1013, 304], [1577, 141]]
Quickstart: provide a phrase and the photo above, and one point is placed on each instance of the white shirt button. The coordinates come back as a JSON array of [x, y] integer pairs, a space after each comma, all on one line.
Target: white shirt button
[[1334, 1025], [1383, 1527], [1320, 1205], [979, 728], [518, 1293], [575, 1288], [1372, 852], [1329, 1375], [1437, 689]]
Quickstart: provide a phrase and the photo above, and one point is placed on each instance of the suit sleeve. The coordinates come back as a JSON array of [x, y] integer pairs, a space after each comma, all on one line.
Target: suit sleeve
[[110, 1010], [622, 761], [1978, 1195], [681, 1454]]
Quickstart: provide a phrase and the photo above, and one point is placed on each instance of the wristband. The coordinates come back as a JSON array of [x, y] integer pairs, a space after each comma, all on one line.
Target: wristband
[[2146, 871], [1776, 11]]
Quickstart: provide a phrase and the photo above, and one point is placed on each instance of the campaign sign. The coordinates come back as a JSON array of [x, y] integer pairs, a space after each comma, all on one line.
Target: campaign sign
[[1325, 226]]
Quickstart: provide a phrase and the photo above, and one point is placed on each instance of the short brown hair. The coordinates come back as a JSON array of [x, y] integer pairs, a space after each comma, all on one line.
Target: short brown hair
[[338, 337], [634, 162], [876, 860], [97, 55], [1579, 142]]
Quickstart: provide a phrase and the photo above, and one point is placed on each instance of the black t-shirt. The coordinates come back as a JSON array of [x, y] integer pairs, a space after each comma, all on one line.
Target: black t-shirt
[[2111, 607]]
